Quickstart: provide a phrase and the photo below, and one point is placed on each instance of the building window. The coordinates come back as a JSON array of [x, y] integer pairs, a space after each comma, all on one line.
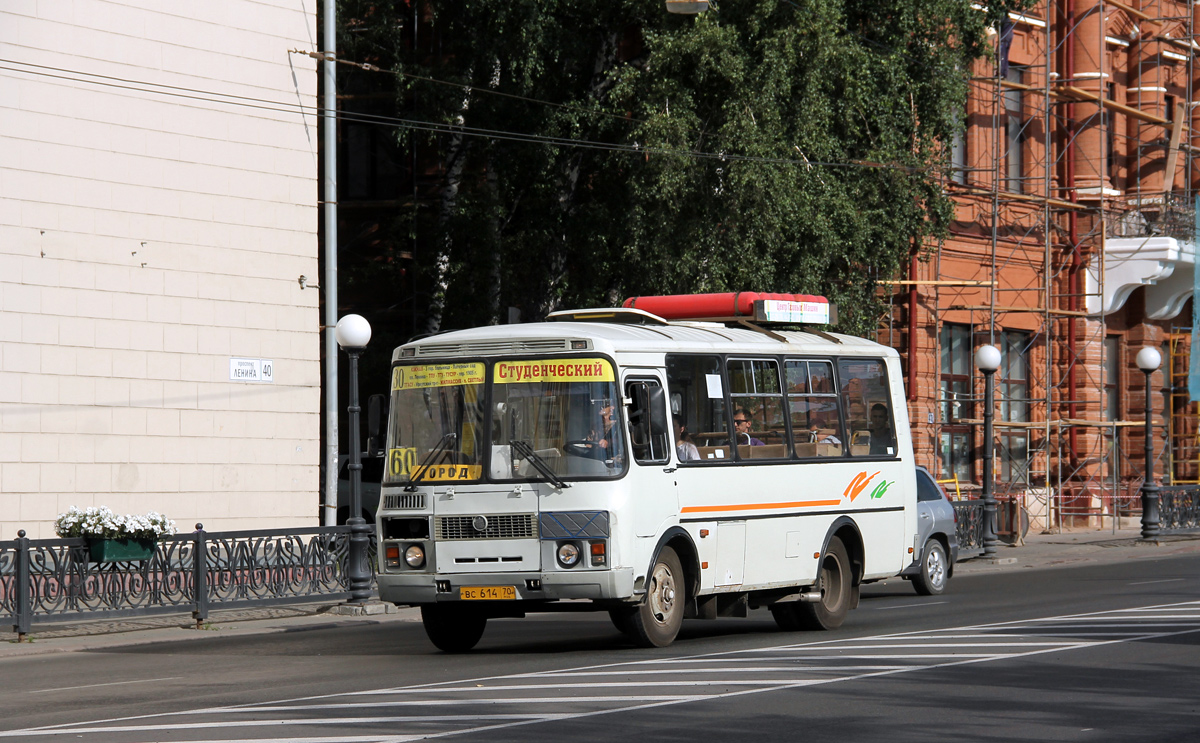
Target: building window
[[1112, 379], [1013, 392], [958, 150], [1110, 135], [1112, 401], [955, 403], [1014, 132]]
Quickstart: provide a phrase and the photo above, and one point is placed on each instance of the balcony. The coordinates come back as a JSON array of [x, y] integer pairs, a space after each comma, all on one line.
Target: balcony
[[1151, 245]]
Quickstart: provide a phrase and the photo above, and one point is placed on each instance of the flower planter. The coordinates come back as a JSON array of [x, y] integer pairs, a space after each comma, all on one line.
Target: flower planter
[[120, 550]]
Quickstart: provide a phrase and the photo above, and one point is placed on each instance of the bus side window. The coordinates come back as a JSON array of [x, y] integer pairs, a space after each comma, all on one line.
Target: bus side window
[[648, 421], [757, 399], [813, 405], [867, 399], [701, 421]]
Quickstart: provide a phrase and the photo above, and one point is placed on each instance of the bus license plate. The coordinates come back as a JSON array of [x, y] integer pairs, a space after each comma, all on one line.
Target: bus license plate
[[487, 593]]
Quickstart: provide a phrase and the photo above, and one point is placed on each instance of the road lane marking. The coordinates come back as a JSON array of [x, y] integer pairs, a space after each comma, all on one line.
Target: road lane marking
[[1150, 582], [727, 669], [268, 707], [110, 683], [295, 721], [801, 653], [908, 606]]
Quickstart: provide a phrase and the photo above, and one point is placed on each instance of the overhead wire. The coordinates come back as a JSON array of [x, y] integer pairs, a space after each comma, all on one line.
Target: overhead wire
[[419, 125]]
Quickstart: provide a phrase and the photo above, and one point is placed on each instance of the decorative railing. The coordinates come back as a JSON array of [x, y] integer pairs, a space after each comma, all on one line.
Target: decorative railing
[[1178, 507], [54, 580], [969, 524], [1151, 215]]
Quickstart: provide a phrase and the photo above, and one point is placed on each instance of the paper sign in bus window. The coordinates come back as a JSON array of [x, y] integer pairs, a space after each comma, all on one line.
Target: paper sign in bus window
[[714, 386], [420, 376]]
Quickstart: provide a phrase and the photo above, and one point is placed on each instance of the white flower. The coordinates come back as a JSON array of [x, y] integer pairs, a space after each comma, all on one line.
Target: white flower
[[103, 523]]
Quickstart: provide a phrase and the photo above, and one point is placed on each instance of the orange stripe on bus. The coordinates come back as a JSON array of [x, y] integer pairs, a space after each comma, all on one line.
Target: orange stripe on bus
[[762, 506]]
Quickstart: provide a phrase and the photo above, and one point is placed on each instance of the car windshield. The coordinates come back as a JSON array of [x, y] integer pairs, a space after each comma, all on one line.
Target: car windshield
[[555, 415], [435, 432]]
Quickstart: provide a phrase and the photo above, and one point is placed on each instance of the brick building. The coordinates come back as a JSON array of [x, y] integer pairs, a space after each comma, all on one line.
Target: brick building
[[1073, 248]]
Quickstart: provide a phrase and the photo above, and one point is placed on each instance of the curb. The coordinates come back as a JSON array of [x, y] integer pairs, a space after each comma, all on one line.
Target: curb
[[107, 634]]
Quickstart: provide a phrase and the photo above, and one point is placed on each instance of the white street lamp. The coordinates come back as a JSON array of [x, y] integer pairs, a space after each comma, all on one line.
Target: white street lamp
[[353, 333], [987, 359], [1148, 360]]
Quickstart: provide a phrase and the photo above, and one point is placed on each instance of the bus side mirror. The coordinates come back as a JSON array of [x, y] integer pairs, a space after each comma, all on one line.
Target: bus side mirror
[[658, 410], [377, 406]]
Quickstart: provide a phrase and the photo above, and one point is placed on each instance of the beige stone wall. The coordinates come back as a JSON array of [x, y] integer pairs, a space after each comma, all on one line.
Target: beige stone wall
[[158, 203]]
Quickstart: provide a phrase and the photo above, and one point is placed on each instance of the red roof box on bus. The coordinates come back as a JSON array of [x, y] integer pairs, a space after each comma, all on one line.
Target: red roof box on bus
[[757, 306]]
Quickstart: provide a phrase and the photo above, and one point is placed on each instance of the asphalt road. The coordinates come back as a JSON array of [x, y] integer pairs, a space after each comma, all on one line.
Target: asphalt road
[[1093, 653]]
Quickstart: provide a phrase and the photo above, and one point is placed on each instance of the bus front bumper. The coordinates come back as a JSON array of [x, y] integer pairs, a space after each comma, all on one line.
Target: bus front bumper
[[428, 588]]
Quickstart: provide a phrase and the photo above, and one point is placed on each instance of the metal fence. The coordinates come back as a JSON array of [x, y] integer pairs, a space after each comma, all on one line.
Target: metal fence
[[969, 524], [54, 580], [1178, 507]]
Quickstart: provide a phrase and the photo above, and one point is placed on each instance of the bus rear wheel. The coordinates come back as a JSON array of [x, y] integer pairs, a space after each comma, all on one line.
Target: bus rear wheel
[[834, 582], [452, 629], [657, 620]]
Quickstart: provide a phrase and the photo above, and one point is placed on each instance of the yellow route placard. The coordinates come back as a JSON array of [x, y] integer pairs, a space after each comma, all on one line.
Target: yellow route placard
[[553, 370]]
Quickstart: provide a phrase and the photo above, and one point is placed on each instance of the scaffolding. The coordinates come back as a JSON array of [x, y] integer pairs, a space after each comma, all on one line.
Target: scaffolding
[[1052, 167]]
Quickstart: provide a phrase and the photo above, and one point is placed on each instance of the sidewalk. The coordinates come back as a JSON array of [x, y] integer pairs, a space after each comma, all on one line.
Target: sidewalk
[[1039, 552]]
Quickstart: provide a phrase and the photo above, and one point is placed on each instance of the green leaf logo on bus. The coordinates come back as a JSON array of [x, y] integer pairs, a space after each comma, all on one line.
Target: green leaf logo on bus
[[860, 483]]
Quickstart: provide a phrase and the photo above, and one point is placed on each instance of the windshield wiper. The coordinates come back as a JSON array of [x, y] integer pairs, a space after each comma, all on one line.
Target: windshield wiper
[[528, 454], [419, 473]]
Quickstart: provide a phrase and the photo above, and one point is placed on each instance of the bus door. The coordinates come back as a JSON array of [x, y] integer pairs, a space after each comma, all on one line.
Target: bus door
[[655, 496]]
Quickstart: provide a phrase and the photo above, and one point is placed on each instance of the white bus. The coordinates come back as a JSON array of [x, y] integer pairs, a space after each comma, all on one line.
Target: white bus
[[655, 469]]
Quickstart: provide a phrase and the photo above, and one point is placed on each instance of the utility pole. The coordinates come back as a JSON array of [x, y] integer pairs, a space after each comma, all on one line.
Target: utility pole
[[329, 283]]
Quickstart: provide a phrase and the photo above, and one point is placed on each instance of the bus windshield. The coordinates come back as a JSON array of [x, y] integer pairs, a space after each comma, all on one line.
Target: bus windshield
[[436, 426], [558, 415]]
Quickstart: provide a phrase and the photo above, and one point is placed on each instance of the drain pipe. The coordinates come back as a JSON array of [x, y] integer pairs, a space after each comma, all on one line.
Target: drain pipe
[[1073, 239], [913, 296]]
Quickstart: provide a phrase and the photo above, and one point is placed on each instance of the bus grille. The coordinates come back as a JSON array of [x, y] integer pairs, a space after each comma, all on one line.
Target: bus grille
[[404, 501], [504, 526], [487, 348]]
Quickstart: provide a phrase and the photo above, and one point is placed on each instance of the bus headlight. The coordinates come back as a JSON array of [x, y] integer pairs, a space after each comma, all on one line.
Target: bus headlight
[[568, 554], [414, 556]]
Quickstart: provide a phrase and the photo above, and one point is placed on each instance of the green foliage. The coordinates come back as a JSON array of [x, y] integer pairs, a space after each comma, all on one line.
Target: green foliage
[[780, 146]]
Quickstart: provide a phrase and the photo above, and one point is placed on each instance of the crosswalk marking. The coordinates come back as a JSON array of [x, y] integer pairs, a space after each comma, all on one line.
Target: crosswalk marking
[[470, 705]]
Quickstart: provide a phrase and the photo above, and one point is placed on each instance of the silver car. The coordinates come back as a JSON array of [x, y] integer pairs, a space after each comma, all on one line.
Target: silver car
[[938, 534]]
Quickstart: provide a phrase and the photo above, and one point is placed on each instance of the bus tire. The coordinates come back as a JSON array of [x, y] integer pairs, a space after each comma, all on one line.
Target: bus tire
[[931, 581], [657, 620], [787, 616], [622, 619], [834, 582], [452, 629]]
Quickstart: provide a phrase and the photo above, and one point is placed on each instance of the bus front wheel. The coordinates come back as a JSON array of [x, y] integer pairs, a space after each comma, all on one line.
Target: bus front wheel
[[656, 621], [452, 629], [834, 583]]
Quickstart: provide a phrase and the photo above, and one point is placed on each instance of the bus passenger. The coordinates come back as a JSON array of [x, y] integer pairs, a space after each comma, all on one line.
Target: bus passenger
[[814, 435], [883, 441], [608, 442], [741, 425], [685, 449]]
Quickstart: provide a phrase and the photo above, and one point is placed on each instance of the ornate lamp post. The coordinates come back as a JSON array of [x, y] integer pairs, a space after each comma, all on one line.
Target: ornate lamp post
[[353, 334], [1148, 360], [987, 359]]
